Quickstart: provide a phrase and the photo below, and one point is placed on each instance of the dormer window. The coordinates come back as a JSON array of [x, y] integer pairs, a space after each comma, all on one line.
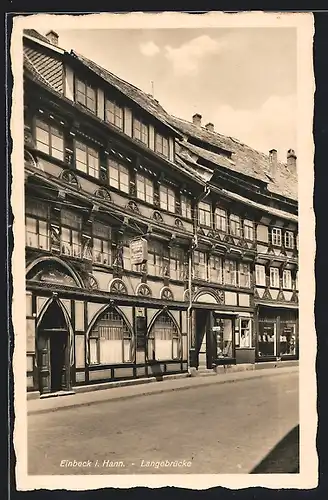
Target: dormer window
[[140, 131], [85, 95], [114, 114], [162, 145]]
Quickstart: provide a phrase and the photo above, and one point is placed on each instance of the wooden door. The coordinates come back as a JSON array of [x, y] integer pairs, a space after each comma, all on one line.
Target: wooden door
[[44, 362]]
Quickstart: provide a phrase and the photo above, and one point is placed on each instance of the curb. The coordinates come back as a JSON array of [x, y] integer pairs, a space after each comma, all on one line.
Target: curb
[[146, 392]]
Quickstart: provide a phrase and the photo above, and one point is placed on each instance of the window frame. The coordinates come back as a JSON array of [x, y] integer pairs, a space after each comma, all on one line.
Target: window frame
[[220, 214], [49, 129], [87, 86], [276, 236], [245, 272], [230, 270], [89, 167], [37, 218], [179, 262], [199, 263], [116, 117], [121, 168], [175, 336], [235, 222], [249, 224], [185, 206], [160, 141], [167, 192], [73, 231], [143, 127], [201, 213], [287, 272], [102, 239], [290, 237], [274, 277], [258, 273], [146, 181], [216, 270], [161, 259]]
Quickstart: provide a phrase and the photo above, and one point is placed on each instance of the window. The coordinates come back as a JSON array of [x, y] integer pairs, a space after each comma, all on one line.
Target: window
[[70, 241], [162, 145], [274, 277], [110, 340], [267, 338], [102, 251], [85, 95], [296, 281], [234, 225], [118, 175], [185, 207], [287, 341], [145, 189], [276, 236], [167, 198], [126, 255], [220, 219], [244, 275], [215, 269], [289, 239], [37, 224], [49, 139], [287, 279], [140, 131], [260, 275], [230, 272], [224, 337], [114, 114], [86, 159], [164, 341], [248, 230], [177, 259], [199, 265], [158, 259], [204, 214], [245, 339]]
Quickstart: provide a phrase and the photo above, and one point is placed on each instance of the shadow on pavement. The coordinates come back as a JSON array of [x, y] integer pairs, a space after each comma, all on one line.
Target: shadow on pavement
[[283, 458]]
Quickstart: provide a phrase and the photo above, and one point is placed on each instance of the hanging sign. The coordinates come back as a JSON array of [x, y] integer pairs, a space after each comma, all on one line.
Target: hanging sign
[[138, 251]]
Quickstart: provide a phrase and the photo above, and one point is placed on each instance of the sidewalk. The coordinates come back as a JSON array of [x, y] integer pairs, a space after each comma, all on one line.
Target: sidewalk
[[37, 406]]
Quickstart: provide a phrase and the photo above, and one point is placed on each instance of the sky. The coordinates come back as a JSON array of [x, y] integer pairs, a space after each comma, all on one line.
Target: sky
[[243, 80]]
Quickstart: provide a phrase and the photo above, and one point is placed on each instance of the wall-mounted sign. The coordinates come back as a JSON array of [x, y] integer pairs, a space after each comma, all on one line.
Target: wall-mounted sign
[[138, 251]]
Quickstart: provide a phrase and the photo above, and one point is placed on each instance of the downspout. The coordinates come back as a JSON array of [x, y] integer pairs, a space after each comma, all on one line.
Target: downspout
[[193, 246]]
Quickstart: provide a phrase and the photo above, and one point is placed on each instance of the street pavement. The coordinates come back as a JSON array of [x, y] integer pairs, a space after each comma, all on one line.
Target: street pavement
[[209, 429]]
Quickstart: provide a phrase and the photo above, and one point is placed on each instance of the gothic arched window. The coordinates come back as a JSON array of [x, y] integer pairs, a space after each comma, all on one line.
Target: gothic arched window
[[164, 339]]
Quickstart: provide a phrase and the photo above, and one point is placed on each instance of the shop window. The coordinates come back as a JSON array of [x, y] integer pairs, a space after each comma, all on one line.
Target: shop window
[[230, 272], [220, 219], [260, 275], [118, 175], [287, 339], [145, 189], [274, 277], [234, 225], [37, 225], [224, 337], [167, 198], [49, 139], [185, 207], [267, 339], [215, 269], [158, 259], [110, 340], [177, 258], [164, 341], [205, 214], [161, 145], [70, 239], [102, 251], [245, 333], [275, 236], [85, 95], [244, 275], [114, 114], [199, 265], [248, 230], [287, 279], [140, 131], [86, 159], [289, 239]]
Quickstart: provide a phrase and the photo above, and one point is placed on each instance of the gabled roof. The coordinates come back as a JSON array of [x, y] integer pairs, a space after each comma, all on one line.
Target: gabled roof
[[244, 159], [35, 34]]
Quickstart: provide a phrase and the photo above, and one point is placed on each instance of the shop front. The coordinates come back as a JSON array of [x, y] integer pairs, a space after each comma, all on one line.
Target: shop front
[[277, 333]]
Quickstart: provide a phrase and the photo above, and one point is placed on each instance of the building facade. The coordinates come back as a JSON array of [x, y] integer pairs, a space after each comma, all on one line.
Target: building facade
[[141, 260]]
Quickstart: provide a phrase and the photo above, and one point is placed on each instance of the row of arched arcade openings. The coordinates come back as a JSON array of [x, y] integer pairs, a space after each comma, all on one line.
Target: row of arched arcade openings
[[72, 343]]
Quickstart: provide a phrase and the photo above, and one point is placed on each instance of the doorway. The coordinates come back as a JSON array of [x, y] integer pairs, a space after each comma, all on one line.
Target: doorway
[[204, 341], [53, 351]]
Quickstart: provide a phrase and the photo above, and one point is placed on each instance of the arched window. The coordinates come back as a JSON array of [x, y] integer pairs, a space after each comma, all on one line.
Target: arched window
[[110, 340], [164, 341]]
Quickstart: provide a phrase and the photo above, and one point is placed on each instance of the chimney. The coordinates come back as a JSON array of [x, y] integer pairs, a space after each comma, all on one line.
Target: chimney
[[52, 37], [273, 162], [210, 127], [291, 159], [197, 120]]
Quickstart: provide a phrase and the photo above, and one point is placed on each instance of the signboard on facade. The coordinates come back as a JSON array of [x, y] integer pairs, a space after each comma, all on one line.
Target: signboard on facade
[[138, 251]]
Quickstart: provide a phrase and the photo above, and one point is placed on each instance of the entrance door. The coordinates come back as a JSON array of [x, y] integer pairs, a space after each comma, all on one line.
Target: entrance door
[[204, 341], [53, 351]]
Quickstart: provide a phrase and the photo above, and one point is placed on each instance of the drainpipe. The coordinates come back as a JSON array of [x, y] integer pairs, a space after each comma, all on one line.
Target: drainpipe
[[194, 245]]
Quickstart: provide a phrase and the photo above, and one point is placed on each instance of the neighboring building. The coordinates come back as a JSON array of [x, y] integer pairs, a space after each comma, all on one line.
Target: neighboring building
[[119, 209]]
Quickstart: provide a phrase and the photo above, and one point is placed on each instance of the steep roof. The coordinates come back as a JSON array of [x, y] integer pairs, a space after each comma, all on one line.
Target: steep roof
[[35, 34], [244, 159], [145, 101]]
